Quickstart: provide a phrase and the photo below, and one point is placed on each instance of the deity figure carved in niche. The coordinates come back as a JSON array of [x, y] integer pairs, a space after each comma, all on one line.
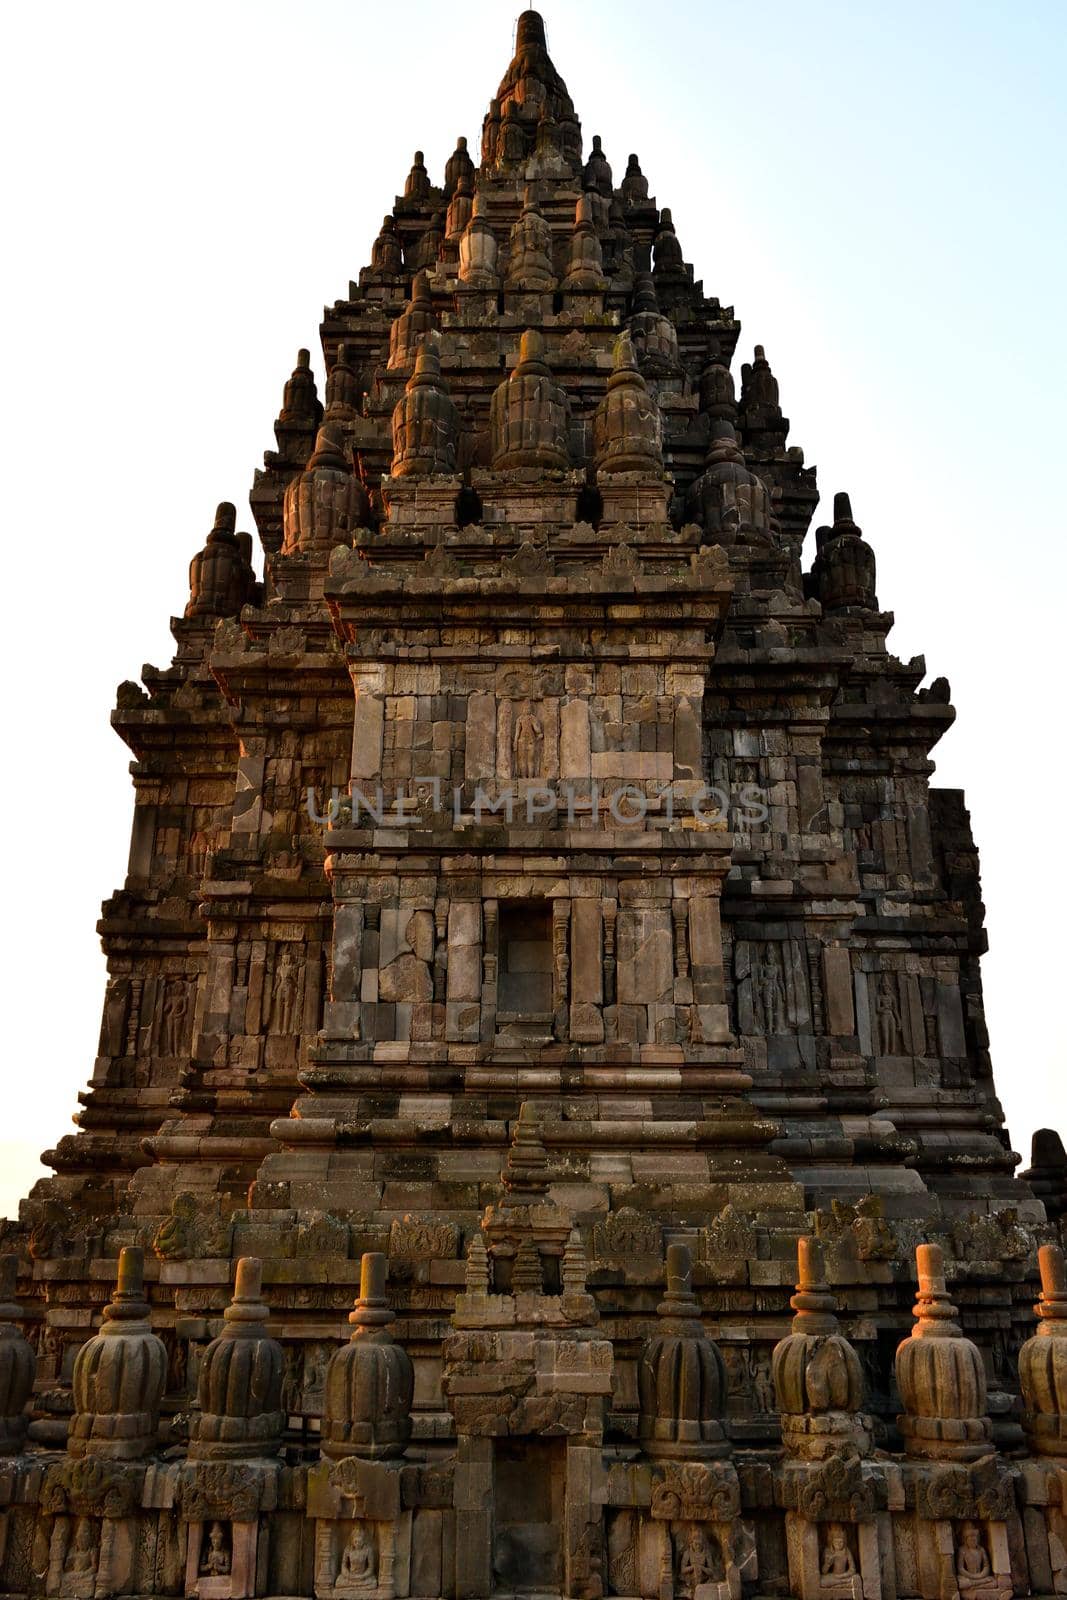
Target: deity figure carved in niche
[[772, 990], [837, 1569], [357, 1562], [975, 1577], [216, 1558], [175, 1011], [695, 1566], [81, 1557], [283, 995], [528, 743], [887, 1009]]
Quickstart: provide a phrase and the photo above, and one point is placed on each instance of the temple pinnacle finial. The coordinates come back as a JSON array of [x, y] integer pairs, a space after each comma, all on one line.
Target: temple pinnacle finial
[[530, 31], [842, 504]]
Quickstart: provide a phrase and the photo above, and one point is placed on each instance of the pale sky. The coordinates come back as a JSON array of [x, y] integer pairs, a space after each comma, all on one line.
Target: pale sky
[[877, 189]]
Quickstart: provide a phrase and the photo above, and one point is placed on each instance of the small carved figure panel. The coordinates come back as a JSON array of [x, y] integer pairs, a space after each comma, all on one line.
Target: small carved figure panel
[[216, 1557], [356, 1571], [975, 1577]]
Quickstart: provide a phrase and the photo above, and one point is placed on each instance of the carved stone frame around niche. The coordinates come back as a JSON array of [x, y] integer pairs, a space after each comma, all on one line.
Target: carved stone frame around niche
[[390, 1550]]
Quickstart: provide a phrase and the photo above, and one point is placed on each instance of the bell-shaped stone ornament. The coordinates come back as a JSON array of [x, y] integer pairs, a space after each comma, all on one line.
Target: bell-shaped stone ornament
[[412, 325], [459, 165], [344, 390], [239, 1390], [668, 261], [417, 183], [529, 414], [491, 134], [681, 1377], [460, 208], [511, 145], [18, 1363], [369, 1382], [300, 402], [427, 251], [478, 250], [818, 1380], [654, 335], [585, 268], [530, 260], [220, 578], [846, 569], [596, 174], [627, 431], [940, 1375], [717, 395], [634, 186], [731, 503], [1043, 1361], [326, 504], [425, 421], [387, 252], [759, 393], [570, 138], [119, 1374]]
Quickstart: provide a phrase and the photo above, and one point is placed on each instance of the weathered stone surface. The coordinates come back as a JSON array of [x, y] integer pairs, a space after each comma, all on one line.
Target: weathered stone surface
[[536, 868]]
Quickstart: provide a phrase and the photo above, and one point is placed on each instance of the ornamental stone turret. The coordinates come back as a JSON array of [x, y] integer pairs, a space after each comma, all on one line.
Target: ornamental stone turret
[[344, 391], [681, 1377], [1043, 1361], [844, 570], [18, 1362], [760, 409], [818, 1380], [119, 1373], [627, 431], [654, 335], [940, 1375], [459, 165], [427, 252], [478, 250], [1047, 1172], [300, 401], [387, 252], [370, 1381], [491, 133], [717, 396], [326, 503], [596, 174], [460, 207], [239, 1390], [634, 186], [530, 260], [417, 183], [731, 503], [511, 144], [666, 251], [528, 415], [412, 325], [220, 575], [425, 421], [547, 160], [585, 268]]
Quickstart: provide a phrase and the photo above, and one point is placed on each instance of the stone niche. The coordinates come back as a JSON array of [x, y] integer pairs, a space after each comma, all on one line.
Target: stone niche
[[524, 964], [530, 1493]]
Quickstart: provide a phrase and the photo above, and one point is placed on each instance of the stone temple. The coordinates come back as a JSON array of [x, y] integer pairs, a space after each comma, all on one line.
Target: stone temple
[[543, 1048]]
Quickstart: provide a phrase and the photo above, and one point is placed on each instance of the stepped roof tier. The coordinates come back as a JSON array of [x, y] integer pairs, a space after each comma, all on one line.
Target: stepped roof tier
[[539, 919]]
